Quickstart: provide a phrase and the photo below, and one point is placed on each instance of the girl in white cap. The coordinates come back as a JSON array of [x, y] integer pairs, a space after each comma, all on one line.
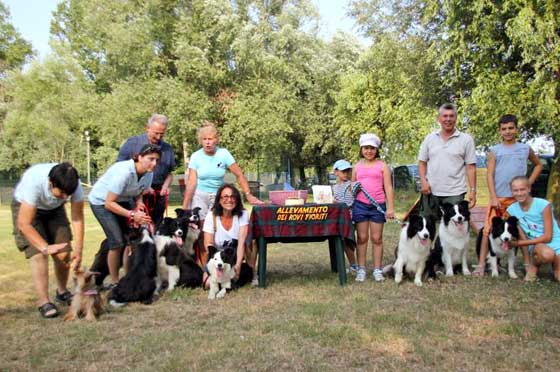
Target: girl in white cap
[[373, 203]]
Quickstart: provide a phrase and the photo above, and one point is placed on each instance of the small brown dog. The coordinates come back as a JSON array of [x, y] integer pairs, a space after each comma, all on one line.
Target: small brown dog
[[86, 301]]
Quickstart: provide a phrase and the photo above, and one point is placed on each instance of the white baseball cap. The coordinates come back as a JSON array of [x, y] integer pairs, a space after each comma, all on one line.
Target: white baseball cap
[[341, 165], [369, 139]]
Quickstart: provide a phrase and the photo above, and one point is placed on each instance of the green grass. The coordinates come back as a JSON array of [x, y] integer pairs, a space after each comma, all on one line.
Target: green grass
[[302, 321]]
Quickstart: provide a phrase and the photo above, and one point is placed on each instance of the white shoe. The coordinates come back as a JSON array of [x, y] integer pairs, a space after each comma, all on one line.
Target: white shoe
[[361, 275], [378, 275], [255, 282]]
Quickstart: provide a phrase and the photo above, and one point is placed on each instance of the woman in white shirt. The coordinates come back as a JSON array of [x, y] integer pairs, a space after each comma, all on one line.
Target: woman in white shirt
[[228, 220]]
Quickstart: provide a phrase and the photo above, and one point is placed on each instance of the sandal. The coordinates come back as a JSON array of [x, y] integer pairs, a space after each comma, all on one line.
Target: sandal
[[64, 298], [478, 272], [48, 310]]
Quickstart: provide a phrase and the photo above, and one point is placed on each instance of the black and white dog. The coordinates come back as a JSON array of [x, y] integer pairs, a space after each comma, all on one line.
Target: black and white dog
[[502, 233], [190, 274], [452, 243], [168, 233], [414, 248], [220, 271], [139, 283], [189, 220]]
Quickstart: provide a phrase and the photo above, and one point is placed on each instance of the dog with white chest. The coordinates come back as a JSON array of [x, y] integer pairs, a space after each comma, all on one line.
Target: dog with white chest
[[220, 270], [452, 244], [414, 248], [502, 233], [168, 233]]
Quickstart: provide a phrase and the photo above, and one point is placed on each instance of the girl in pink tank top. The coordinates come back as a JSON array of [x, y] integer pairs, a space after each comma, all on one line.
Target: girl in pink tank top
[[375, 177]]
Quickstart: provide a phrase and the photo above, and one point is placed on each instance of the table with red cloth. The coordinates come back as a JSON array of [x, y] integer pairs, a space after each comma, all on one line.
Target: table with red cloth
[[297, 224]]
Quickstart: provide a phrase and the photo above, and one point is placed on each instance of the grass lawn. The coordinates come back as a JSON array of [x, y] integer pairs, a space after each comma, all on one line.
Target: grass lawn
[[302, 321]]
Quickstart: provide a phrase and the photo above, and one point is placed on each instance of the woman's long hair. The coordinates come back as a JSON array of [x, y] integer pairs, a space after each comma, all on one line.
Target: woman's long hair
[[238, 210]]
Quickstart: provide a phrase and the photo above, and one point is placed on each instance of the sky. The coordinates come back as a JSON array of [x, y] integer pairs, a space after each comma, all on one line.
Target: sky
[[32, 19]]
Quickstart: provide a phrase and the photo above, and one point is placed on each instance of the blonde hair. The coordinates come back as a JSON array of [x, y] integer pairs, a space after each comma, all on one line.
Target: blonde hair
[[207, 128]]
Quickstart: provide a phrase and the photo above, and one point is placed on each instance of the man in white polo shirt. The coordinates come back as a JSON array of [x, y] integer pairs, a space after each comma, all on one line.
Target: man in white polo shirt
[[447, 165]]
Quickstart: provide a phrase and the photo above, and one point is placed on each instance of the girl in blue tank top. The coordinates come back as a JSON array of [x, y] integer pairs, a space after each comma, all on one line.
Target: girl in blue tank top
[[540, 235]]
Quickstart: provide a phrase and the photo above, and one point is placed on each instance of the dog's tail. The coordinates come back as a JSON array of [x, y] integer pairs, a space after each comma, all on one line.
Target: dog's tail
[[388, 270]]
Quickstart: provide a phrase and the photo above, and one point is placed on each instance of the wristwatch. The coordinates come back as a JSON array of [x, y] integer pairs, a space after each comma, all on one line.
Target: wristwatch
[[473, 189]]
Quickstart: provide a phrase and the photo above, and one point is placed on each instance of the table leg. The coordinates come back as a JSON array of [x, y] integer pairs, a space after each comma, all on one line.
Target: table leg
[[332, 254], [340, 260], [261, 242]]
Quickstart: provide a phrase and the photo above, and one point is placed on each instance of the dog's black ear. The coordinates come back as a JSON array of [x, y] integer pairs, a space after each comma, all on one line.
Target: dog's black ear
[[413, 224], [496, 221], [464, 204], [179, 212], [514, 223], [211, 251], [196, 210], [431, 225]]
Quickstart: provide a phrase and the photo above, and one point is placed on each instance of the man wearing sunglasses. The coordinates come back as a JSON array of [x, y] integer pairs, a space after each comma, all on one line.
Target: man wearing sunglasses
[[156, 199]]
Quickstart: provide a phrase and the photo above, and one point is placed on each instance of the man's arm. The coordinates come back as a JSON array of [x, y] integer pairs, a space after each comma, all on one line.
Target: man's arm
[[422, 166], [166, 183], [25, 225], [538, 166], [77, 210], [471, 180], [490, 177]]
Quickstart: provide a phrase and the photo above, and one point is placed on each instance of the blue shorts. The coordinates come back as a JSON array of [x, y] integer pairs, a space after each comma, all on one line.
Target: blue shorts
[[362, 212], [115, 227]]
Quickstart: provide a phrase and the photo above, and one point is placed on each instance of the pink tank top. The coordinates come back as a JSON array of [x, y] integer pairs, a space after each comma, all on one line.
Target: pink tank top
[[371, 179]]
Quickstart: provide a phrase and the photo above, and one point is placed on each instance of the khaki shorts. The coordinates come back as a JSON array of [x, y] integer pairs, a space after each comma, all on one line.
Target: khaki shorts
[[203, 200], [52, 225]]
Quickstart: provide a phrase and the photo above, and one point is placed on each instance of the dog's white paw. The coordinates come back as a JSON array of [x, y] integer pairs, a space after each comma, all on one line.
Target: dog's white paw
[[513, 275], [222, 293], [418, 283], [495, 274], [211, 296], [466, 272], [398, 279], [449, 273]]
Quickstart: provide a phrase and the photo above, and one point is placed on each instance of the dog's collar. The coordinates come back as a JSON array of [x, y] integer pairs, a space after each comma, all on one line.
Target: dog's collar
[[90, 292]]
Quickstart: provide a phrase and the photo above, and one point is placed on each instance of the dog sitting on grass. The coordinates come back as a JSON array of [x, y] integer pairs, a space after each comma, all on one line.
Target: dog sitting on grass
[[86, 301]]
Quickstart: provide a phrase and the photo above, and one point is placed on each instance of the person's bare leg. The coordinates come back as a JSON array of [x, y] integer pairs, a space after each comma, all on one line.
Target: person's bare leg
[[481, 269], [40, 275], [113, 261], [62, 270]]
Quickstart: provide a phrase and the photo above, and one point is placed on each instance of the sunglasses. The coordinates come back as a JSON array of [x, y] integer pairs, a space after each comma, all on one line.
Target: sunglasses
[[149, 149]]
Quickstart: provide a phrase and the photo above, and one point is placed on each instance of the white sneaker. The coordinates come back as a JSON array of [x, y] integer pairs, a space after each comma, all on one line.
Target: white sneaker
[[255, 282], [378, 275], [361, 275]]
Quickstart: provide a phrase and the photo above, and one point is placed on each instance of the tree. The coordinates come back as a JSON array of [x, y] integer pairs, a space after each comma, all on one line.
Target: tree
[[14, 50]]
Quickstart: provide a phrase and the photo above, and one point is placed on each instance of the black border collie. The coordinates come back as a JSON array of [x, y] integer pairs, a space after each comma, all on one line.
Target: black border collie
[[503, 231], [139, 283], [190, 274], [415, 244], [168, 233], [452, 244], [189, 220]]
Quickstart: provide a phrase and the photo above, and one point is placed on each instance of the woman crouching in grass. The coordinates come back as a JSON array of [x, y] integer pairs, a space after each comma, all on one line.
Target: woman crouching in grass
[[540, 235]]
